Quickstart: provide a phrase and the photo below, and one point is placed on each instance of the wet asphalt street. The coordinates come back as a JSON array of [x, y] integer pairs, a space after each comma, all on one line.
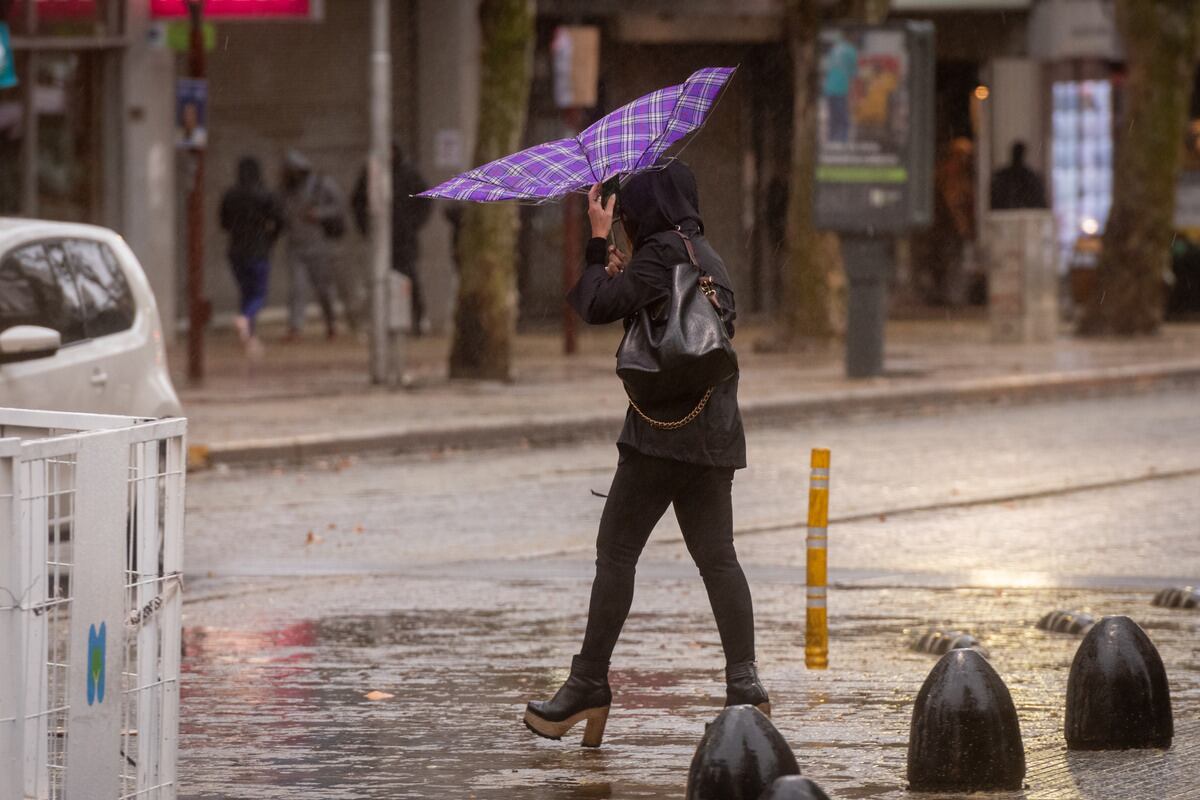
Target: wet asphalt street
[[458, 584]]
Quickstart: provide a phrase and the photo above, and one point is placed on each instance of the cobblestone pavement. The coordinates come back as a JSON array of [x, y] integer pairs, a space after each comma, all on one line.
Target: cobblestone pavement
[[465, 594]]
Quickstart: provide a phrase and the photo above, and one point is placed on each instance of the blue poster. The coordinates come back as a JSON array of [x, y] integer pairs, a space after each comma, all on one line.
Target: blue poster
[[8, 70], [191, 112]]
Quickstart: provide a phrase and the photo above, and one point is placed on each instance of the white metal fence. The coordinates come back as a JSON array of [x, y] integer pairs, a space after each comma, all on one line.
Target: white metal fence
[[91, 540]]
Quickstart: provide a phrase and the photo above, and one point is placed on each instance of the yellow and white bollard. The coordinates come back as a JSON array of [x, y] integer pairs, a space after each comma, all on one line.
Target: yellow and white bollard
[[816, 633]]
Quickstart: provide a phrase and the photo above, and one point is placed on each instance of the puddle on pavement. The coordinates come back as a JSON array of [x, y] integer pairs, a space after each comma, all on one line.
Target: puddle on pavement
[[275, 709]]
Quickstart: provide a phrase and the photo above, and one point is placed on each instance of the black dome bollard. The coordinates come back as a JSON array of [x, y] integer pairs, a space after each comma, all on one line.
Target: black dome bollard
[[793, 787], [1066, 622], [1182, 597], [1117, 692], [965, 736], [740, 755]]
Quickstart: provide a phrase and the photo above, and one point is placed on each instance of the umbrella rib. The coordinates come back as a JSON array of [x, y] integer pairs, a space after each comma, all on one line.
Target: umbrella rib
[[521, 195], [583, 152]]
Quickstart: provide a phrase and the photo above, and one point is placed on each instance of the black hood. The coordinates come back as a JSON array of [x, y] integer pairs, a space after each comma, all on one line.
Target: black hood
[[249, 172], [663, 199]]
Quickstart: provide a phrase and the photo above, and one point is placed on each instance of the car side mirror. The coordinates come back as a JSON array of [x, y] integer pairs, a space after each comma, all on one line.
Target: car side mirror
[[27, 342]]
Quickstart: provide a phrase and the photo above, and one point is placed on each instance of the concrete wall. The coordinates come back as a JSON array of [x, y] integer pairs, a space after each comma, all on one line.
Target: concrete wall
[[277, 85]]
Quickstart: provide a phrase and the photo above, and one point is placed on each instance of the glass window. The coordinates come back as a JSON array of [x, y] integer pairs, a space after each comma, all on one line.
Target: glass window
[[37, 289], [107, 302], [70, 317]]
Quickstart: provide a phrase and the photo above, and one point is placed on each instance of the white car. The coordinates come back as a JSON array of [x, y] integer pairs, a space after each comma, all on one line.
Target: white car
[[79, 328]]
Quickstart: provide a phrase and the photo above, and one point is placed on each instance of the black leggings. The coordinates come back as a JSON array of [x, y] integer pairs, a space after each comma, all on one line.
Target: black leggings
[[641, 490]]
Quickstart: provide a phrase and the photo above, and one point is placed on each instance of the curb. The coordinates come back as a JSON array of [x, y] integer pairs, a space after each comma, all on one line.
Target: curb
[[867, 401]]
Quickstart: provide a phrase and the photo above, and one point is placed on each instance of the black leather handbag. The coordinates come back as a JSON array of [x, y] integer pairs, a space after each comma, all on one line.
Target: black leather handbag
[[678, 348]]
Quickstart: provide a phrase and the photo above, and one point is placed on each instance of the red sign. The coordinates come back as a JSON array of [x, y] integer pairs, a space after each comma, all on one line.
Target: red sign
[[57, 9], [235, 9]]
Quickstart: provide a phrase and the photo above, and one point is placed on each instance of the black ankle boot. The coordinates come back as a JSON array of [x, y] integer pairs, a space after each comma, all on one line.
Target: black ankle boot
[[585, 696], [742, 687]]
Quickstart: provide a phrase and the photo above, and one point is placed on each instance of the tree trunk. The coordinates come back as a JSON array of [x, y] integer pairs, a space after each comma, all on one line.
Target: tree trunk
[[807, 302], [485, 319], [814, 288], [1160, 39]]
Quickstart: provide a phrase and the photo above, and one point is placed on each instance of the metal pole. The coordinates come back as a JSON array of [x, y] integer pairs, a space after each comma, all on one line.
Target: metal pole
[[868, 261], [571, 243], [29, 126], [379, 187], [198, 307], [816, 631]]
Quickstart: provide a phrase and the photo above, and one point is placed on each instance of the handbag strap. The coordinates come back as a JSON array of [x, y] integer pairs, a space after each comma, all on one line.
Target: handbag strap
[[691, 252], [706, 281], [676, 424]]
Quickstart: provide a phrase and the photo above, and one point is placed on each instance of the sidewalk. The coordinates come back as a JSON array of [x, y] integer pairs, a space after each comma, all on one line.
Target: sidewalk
[[312, 398]]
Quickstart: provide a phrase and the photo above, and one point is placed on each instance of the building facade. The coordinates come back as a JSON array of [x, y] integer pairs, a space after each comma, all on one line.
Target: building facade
[[86, 134], [89, 132]]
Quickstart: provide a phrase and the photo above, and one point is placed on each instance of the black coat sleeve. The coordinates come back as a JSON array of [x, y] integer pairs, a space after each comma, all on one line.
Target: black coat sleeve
[[600, 298], [359, 204]]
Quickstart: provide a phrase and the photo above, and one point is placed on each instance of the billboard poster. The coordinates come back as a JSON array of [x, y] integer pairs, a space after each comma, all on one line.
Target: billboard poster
[[8, 70], [875, 87], [864, 105]]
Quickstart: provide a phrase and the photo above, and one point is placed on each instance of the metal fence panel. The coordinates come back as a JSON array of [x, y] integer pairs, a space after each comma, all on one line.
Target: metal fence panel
[[91, 528], [12, 659]]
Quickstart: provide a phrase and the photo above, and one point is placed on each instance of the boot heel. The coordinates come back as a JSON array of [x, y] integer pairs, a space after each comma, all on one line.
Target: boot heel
[[593, 733]]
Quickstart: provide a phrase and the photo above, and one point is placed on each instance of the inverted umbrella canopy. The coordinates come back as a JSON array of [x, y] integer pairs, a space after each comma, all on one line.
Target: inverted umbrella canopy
[[628, 140]]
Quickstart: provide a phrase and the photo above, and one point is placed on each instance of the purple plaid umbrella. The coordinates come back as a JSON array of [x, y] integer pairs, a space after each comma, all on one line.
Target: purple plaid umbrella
[[628, 140]]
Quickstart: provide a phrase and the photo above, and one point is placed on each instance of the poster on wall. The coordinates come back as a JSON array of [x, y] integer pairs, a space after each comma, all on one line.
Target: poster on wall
[[191, 113], [8, 70]]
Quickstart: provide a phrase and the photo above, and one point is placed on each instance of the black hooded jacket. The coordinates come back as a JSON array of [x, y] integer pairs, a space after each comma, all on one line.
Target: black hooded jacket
[[251, 215], [655, 204]]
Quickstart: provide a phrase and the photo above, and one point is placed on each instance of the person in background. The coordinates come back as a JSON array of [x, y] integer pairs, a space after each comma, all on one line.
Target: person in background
[[314, 211], [1016, 185], [953, 226], [409, 213], [253, 218]]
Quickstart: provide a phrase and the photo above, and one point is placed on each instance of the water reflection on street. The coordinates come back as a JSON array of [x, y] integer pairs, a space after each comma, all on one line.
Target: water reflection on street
[[274, 698]]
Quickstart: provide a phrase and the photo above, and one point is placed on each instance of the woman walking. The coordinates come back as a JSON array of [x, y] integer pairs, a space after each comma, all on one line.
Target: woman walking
[[690, 467]]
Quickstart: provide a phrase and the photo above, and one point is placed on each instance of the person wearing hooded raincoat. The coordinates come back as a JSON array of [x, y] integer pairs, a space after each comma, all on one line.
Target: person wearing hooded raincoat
[[690, 468], [312, 204], [253, 218], [409, 215]]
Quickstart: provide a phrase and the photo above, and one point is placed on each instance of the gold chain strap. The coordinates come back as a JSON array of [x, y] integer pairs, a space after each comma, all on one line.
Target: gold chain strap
[[679, 423]]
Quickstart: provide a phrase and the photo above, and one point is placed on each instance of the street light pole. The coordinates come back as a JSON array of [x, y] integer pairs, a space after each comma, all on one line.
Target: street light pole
[[198, 308], [379, 188], [572, 255]]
